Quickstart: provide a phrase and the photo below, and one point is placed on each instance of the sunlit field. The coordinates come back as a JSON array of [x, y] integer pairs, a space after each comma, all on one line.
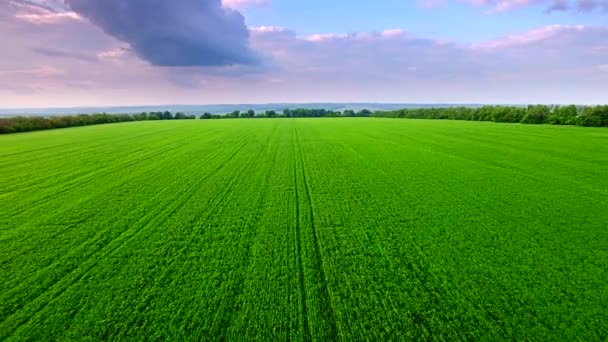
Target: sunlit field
[[304, 229]]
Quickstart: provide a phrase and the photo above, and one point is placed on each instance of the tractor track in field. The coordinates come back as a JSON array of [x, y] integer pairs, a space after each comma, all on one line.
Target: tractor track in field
[[88, 177], [71, 208], [306, 323], [413, 265], [114, 186], [217, 201], [107, 252], [252, 222], [59, 174], [192, 190], [445, 187], [62, 153], [327, 309]]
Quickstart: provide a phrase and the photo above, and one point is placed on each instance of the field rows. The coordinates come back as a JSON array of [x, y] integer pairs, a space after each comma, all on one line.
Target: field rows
[[329, 229]]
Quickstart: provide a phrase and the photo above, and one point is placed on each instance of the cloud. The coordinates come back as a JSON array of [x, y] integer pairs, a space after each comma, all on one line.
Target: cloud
[[41, 71], [38, 6], [113, 54], [50, 52], [47, 18], [38, 12], [549, 64], [28, 80], [173, 33], [550, 5], [530, 37], [244, 3]]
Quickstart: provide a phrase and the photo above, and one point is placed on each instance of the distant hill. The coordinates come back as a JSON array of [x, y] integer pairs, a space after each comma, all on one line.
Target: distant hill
[[218, 109]]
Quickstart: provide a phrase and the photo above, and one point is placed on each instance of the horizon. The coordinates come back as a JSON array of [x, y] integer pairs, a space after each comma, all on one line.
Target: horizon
[[224, 108]]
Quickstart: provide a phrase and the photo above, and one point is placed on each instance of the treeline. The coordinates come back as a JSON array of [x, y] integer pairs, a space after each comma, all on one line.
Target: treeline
[[290, 113], [588, 116], [37, 123]]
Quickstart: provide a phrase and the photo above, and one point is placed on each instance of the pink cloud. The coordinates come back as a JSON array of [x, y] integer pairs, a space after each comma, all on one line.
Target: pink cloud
[[38, 72], [550, 5], [48, 18], [530, 37], [244, 3]]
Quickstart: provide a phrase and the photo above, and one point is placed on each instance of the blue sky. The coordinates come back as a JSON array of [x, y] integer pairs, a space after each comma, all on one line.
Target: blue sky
[[453, 20], [140, 52]]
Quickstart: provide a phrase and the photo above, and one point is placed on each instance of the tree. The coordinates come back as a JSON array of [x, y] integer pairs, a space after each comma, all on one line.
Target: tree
[[249, 114], [155, 116], [536, 114], [566, 115], [363, 113], [167, 116], [591, 117]]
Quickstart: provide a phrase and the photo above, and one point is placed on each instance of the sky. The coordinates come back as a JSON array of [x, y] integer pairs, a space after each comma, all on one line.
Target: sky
[[71, 53]]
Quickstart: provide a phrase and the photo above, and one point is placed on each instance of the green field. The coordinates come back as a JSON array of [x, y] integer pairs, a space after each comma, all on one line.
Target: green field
[[305, 229]]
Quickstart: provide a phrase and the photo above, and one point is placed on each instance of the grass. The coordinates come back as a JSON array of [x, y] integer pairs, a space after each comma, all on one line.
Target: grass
[[312, 229]]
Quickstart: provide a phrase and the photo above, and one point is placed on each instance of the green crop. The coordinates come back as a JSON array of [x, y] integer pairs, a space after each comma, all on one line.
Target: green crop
[[305, 229]]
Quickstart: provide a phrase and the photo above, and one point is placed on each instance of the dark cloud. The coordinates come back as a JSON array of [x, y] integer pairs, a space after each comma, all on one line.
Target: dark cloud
[[592, 5], [173, 33], [557, 5], [580, 5]]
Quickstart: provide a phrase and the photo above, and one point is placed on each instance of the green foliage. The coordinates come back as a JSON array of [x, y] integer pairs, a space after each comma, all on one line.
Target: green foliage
[[594, 116], [36, 123], [536, 114], [270, 114], [305, 230], [564, 115], [207, 116]]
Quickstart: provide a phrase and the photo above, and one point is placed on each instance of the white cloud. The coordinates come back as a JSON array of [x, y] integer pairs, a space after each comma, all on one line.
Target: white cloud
[[531, 37], [47, 18], [113, 53], [267, 29], [324, 37], [38, 72], [244, 3]]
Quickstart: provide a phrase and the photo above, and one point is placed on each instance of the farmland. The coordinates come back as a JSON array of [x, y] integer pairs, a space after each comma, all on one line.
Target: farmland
[[305, 229]]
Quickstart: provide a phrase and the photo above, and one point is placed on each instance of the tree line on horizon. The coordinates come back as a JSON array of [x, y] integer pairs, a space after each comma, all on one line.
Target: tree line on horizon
[[587, 116], [38, 123]]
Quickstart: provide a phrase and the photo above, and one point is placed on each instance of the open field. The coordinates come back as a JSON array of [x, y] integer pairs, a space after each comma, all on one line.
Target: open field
[[305, 229]]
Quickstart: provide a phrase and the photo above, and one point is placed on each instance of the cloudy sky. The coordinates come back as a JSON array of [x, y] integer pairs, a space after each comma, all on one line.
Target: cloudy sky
[[143, 52]]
